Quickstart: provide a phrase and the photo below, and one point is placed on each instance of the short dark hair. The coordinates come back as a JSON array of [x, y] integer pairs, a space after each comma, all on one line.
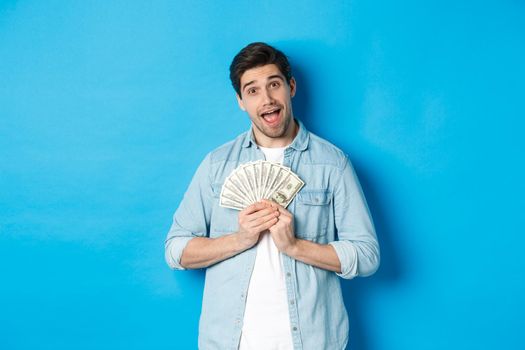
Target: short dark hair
[[255, 55]]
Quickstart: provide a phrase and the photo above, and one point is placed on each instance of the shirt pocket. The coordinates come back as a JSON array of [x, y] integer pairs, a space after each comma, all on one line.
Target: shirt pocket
[[223, 220], [312, 213]]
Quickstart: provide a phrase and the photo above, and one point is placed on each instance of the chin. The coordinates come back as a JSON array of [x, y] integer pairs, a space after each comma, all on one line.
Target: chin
[[275, 133]]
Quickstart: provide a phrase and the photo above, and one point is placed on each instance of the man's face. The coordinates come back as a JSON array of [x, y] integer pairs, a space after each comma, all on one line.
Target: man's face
[[267, 98]]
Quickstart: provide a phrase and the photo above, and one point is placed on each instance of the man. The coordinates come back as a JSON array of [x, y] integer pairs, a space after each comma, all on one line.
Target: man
[[271, 273]]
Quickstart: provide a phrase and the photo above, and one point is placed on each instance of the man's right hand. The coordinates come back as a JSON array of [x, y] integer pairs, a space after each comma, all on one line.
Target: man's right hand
[[254, 220], [204, 251]]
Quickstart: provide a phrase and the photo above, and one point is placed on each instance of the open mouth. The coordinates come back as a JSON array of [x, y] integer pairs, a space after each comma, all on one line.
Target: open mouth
[[271, 117]]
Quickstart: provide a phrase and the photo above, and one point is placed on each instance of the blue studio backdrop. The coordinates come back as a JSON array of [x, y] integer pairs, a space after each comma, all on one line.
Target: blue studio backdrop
[[108, 107]]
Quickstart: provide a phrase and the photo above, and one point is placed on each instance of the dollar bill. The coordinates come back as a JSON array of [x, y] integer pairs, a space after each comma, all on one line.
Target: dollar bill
[[287, 190], [227, 203], [257, 179], [253, 181], [241, 175], [229, 191], [266, 172], [249, 175]]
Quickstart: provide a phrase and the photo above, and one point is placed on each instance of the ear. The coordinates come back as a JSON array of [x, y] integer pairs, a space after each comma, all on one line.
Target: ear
[[240, 102], [293, 86]]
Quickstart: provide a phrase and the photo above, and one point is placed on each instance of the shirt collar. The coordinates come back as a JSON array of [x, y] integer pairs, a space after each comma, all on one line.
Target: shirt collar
[[299, 143]]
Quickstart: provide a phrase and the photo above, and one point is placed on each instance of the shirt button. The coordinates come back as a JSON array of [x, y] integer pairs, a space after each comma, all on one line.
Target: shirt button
[[295, 328], [288, 274], [292, 302]]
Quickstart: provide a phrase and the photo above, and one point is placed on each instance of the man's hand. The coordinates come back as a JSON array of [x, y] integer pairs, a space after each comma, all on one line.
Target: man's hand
[[283, 232], [254, 220]]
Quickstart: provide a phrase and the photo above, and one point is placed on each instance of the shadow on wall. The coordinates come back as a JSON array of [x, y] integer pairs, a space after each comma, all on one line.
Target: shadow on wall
[[357, 292]]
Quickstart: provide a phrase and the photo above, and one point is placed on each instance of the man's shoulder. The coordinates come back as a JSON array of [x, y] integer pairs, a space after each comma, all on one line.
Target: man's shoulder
[[324, 151], [224, 151]]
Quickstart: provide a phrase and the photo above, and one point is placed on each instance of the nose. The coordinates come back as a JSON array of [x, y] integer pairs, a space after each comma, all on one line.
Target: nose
[[267, 97]]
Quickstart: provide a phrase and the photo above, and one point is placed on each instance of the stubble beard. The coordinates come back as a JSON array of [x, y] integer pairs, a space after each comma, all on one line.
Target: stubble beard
[[274, 133]]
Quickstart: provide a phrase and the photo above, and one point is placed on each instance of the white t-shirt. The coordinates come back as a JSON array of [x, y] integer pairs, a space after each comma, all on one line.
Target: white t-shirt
[[266, 320]]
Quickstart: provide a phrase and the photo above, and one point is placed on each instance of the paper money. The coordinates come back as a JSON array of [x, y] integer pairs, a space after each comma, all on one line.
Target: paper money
[[254, 181], [286, 191]]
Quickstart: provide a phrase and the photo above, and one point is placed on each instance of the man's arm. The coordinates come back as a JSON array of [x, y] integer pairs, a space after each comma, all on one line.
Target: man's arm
[[192, 217], [283, 234], [188, 245], [311, 253], [357, 246], [355, 253], [202, 251]]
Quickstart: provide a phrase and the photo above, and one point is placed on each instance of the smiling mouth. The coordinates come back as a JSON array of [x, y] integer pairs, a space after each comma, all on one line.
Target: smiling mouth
[[271, 117]]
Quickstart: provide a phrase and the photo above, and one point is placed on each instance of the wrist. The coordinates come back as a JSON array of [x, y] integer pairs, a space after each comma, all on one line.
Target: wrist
[[293, 249], [240, 243]]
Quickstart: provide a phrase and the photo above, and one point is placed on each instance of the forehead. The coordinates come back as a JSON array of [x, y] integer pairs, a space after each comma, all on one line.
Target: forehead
[[260, 73]]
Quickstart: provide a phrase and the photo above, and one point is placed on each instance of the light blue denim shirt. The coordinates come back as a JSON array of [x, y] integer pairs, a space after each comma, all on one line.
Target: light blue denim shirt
[[329, 209]]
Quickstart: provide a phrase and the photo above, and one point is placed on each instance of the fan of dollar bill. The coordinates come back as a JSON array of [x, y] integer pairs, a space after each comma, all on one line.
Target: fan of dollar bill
[[251, 182]]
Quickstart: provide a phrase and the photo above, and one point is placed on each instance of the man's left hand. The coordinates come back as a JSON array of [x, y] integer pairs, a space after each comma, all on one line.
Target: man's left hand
[[283, 233]]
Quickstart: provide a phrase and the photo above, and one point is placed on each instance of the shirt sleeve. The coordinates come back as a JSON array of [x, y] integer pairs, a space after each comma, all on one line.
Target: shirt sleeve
[[192, 217], [357, 247]]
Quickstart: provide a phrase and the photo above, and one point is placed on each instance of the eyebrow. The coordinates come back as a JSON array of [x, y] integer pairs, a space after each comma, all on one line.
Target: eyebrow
[[270, 77]]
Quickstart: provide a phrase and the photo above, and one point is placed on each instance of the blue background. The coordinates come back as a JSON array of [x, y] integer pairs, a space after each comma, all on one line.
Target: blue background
[[107, 108]]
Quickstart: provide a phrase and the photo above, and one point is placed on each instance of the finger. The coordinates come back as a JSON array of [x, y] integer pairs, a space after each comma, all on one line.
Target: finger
[[270, 203], [283, 210], [266, 225], [263, 219], [253, 208], [258, 214]]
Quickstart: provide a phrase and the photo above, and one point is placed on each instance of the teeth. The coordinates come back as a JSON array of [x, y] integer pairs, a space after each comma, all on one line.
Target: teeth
[[270, 112]]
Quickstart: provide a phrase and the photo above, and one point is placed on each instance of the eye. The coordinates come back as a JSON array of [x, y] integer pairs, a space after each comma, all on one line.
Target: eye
[[275, 84], [252, 91]]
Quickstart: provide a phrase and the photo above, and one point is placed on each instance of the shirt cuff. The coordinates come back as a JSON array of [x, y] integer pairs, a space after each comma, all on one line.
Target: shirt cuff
[[347, 255], [174, 249]]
